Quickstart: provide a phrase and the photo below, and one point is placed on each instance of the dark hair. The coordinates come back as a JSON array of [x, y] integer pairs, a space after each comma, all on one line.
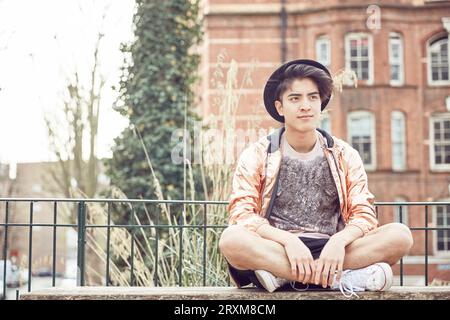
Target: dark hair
[[301, 71]]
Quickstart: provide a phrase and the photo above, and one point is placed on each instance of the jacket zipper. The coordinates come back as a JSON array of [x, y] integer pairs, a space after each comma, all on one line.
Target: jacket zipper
[[273, 196], [340, 180], [265, 182]]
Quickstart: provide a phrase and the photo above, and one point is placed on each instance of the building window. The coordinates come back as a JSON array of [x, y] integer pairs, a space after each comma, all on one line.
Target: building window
[[401, 215], [438, 71], [12, 170], [358, 55], [361, 135], [398, 139], [325, 123], [396, 58], [443, 221], [440, 142], [323, 51]]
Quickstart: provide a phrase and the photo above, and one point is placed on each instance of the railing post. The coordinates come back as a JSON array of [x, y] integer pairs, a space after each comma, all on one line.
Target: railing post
[[155, 276], [401, 260], [5, 250], [30, 246], [132, 279], [426, 245], [204, 243], [81, 223], [180, 266], [55, 220], [108, 240]]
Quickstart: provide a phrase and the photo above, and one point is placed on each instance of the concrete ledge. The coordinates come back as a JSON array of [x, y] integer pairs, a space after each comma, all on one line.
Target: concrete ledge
[[226, 293]]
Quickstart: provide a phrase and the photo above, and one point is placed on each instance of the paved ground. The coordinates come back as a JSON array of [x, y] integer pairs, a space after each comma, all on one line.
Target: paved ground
[[39, 283], [227, 293]]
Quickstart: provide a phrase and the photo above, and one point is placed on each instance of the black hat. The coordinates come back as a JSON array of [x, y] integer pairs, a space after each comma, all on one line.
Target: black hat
[[276, 78]]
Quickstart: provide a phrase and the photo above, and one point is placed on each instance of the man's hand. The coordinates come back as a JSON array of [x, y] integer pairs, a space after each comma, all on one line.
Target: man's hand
[[300, 258], [331, 260]]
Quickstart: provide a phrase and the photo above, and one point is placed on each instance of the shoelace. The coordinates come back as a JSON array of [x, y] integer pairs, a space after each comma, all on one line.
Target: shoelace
[[292, 283], [346, 287], [347, 281]]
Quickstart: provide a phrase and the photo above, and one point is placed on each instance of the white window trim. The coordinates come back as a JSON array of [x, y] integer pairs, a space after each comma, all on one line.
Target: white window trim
[[440, 253], [358, 35], [355, 114], [324, 39], [325, 115], [401, 81], [432, 82], [419, 260], [405, 158], [433, 165]]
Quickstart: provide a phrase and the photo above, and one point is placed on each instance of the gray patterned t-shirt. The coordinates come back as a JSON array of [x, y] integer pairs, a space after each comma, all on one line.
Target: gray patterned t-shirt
[[307, 200]]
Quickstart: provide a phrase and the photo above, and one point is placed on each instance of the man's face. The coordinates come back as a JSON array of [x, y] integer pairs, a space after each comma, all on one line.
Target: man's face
[[300, 105]]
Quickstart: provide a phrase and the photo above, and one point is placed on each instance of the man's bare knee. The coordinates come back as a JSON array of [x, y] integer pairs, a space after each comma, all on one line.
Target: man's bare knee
[[233, 245], [403, 236], [407, 240], [401, 241], [229, 240]]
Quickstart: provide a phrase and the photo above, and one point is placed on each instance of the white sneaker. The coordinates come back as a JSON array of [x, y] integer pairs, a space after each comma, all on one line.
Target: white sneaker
[[269, 281], [376, 277]]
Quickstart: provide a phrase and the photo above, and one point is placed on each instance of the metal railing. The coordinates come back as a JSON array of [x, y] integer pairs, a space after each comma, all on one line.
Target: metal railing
[[81, 227], [425, 228]]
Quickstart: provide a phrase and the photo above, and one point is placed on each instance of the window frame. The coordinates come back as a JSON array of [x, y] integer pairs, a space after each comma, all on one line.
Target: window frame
[[430, 43], [436, 252], [433, 165], [358, 36], [356, 114], [404, 138], [324, 39], [325, 116], [398, 38]]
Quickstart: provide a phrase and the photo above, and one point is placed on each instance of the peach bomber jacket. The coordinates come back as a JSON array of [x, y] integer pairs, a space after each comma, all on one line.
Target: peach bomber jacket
[[255, 182]]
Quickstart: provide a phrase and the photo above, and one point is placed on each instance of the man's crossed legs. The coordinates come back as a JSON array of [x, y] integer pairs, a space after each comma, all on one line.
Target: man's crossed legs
[[368, 256]]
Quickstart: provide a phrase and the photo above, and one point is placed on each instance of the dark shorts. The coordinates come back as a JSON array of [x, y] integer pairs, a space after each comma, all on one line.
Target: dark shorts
[[246, 277]]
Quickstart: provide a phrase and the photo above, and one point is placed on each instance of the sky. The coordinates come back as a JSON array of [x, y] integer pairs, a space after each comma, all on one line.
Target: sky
[[41, 44]]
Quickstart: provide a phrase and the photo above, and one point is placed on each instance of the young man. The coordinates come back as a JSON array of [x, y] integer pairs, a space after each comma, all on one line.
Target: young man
[[300, 208]]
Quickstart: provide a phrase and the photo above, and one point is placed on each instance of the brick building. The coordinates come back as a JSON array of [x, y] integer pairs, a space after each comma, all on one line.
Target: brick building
[[34, 180], [398, 116]]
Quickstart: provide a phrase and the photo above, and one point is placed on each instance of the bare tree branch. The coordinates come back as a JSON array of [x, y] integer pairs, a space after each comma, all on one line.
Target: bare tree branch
[[81, 118]]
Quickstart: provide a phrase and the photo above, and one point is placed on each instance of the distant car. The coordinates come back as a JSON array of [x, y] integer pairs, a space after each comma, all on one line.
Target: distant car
[[12, 274], [45, 272], [42, 272]]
